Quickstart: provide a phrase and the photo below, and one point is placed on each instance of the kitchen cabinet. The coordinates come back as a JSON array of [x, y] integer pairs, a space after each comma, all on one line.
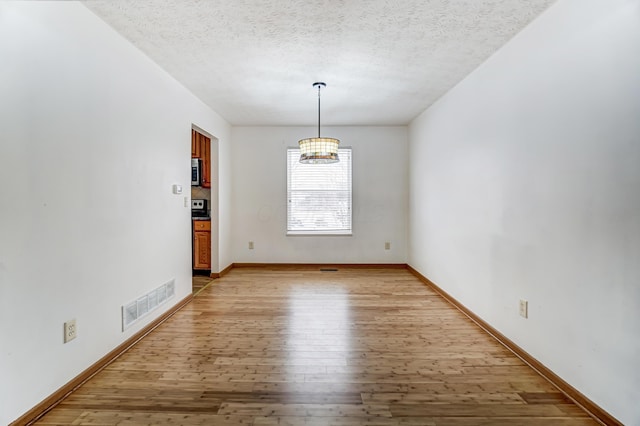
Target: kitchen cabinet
[[195, 144], [201, 244], [205, 152], [201, 148]]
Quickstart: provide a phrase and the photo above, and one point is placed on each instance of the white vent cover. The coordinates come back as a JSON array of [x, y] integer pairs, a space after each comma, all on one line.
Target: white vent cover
[[129, 314], [162, 294], [133, 311], [143, 306], [152, 298]]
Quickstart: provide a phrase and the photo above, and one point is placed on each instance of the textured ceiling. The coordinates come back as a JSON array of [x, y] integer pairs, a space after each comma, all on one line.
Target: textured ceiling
[[254, 61]]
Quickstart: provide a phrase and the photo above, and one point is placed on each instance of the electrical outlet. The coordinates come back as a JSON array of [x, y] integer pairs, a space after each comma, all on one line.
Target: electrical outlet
[[524, 308], [250, 245], [70, 330], [387, 245]]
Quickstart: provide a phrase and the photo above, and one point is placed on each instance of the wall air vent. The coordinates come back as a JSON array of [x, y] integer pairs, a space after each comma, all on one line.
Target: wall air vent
[[152, 298], [171, 288], [162, 294], [129, 314], [143, 306], [133, 311]]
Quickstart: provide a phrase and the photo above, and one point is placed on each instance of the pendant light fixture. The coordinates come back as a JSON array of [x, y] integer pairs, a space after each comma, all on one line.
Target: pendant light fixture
[[319, 150]]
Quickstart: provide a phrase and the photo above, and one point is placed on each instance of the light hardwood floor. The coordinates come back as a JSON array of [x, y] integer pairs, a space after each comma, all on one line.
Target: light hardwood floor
[[198, 282], [304, 347]]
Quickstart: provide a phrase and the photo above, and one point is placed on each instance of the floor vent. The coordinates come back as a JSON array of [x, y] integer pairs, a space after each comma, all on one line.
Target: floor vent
[[133, 311], [328, 270]]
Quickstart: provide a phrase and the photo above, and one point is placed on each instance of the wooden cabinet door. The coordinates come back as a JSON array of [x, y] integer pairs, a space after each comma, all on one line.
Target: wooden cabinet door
[[201, 250], [195, 144], [205, 150]]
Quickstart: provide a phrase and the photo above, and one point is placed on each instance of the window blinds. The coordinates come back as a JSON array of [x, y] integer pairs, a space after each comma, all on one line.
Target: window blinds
[[319, 195]]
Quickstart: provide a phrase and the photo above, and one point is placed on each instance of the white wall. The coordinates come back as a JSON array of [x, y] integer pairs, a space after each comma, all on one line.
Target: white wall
[[525, 183], [380, 191], [92, 137]]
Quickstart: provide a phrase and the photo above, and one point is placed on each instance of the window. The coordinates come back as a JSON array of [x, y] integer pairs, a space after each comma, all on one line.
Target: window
[[319, 195]]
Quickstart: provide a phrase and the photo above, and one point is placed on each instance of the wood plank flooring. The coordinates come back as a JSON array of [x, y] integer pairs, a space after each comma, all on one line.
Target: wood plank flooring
[[198, 282], [269, 347]]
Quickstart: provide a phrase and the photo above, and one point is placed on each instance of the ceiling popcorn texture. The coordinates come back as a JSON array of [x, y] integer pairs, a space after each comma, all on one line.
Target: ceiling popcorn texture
[[254, 62]]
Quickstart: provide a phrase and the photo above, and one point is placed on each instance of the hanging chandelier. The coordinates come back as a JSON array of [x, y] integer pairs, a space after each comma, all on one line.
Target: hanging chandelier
[[319, 150]]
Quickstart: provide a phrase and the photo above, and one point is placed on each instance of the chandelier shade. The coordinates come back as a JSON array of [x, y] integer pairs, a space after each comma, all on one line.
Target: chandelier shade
[[319, 150]]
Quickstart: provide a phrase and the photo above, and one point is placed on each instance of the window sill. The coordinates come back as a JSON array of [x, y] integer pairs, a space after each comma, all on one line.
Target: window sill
[[319, 233]]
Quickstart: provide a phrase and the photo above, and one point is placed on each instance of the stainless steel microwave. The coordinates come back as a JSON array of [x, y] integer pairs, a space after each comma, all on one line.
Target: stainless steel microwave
[[196, 176]]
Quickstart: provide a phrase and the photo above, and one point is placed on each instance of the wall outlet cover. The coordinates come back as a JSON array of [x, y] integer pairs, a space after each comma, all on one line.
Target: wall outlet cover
[[524, 308], [70, 330]]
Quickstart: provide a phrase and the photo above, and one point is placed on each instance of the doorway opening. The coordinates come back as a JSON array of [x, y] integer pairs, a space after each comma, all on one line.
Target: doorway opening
[[204, 208]]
